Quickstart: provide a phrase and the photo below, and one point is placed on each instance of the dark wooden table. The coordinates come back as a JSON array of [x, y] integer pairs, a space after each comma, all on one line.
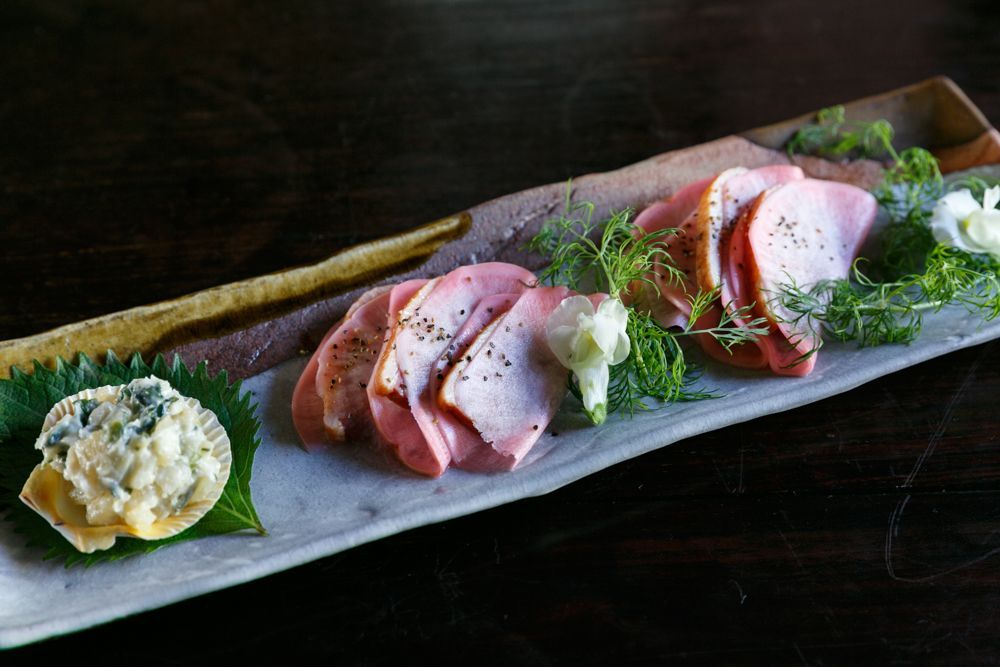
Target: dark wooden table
[[150, 150]]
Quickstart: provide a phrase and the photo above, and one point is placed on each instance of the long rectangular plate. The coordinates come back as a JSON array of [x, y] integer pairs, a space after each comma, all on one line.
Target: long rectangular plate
[[318, 504]]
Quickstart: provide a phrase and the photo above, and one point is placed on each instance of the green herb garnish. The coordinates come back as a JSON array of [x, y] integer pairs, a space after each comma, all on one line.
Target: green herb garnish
[[875, 313], [832, 136], [25, 399], [726, 333], [912, 180], [616, 257], [885, 301], [606, 256]]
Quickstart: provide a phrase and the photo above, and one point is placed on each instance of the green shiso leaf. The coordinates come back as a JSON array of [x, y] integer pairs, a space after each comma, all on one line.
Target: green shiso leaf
[[25, 399]]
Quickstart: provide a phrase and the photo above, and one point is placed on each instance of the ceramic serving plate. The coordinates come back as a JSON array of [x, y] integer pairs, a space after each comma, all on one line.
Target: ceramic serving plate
[[318, 504]]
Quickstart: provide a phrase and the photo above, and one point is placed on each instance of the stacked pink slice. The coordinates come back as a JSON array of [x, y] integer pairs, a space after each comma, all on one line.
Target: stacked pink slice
[[456, 370], [745, 234], [801, 233], [449, 371]]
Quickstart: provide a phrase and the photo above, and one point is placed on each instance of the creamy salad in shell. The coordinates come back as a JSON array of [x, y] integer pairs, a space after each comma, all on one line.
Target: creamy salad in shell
[[136, 458]]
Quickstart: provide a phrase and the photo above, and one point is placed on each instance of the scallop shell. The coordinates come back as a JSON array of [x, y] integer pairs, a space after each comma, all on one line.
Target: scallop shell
[[48, 493]]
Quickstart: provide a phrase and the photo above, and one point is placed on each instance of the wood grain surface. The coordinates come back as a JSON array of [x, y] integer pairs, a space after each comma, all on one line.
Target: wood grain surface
[[149, 151]]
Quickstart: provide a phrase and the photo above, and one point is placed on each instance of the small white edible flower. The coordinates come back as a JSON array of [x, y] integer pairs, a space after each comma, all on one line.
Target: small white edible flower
[[958, 220], [587, 342]]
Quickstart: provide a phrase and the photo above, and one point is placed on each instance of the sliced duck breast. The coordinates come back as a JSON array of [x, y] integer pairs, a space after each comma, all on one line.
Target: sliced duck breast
[[307, 400], [670, 306], [393, 422], [718, 209], [509, 385], [718, 212], [345, 366], [488, 309], [422, 339], [801, 232], [464, 443], [404, 303]]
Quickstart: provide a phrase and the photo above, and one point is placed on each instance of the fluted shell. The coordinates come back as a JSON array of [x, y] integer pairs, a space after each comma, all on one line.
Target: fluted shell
[[48, 493]]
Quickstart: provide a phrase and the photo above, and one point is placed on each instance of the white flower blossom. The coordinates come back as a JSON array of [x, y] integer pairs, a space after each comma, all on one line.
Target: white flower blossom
[[587, 342], [959, 220]]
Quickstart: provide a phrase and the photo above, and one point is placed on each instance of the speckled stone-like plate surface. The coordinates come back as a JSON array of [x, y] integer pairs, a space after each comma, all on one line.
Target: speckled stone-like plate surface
[[318, 504]]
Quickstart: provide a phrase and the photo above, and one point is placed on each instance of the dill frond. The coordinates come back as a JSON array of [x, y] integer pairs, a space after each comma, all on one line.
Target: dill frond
[[609, 256], [875, 313], [616, 257], [726, 332], [833, 136], [914, 274]]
